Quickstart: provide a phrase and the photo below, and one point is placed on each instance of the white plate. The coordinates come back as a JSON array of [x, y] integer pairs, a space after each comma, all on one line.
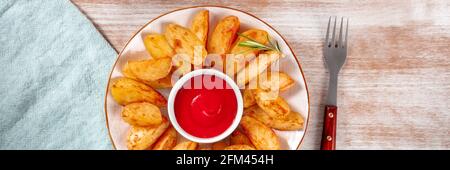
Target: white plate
[[297, 97]]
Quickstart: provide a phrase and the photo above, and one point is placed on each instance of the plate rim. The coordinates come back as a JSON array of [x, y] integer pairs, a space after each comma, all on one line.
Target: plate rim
[[200, 6]]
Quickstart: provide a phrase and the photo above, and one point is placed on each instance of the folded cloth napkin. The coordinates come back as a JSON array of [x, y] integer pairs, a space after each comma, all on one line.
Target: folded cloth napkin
[[54, 71]]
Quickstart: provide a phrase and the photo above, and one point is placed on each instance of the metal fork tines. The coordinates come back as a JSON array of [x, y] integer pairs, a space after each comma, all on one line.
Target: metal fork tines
[[335, 53]]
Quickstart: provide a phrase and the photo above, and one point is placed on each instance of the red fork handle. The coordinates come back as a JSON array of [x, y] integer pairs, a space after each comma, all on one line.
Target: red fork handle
[[329, 128]]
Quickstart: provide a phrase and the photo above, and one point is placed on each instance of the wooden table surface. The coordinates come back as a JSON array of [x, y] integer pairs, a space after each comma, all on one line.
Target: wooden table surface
[[394, 89]]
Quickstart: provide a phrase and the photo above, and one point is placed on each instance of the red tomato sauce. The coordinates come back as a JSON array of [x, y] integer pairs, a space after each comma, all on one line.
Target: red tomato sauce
[[205, 106]]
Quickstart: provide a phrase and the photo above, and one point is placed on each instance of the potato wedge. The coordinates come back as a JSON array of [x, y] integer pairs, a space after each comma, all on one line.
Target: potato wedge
[[182, 65], [126, 71], [248, 98], [275, 81], [239, 147], [142, 114], [242, 54], [239, 138], [149, 70], [126, 91], [219, 145], [293, 121], [277, 107], [261, 136], [256, 67], [186, 43], [140, 138], [188, 145], [157, 46], [200, 25], [162, 83], [223, 36], [254, 34], [167, 141]]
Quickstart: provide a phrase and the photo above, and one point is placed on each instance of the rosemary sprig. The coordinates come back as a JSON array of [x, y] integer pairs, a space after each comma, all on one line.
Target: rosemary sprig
[[251, 43], [242, 35]]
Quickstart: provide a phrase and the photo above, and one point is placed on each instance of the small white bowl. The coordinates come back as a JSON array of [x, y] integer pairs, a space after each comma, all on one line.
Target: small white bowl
[[179, 84]]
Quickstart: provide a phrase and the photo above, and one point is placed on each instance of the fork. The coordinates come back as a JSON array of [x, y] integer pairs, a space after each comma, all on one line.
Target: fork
[[335, 53]]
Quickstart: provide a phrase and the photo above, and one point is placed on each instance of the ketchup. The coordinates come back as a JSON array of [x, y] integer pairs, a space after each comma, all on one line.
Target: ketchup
[[205, 106]]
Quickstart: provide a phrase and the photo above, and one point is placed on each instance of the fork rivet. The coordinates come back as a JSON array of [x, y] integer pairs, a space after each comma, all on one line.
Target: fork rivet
[[329, 138]]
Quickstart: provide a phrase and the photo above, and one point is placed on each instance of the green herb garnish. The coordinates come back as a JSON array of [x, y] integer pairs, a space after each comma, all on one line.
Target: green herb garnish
[[251, 43]]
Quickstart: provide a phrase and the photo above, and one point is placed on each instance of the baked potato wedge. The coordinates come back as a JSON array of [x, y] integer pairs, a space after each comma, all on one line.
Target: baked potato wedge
[[261, 136], [293, 121], [277, 107], [149, 70], [239, 147], [223, 36], [142, 114], [200, 25], [256, 35], [126, 71], [167, 141], [219, 145], [157, 46], [242, 55], [188, 145], [239, 138], [186, 43], [162, 83], [248, 98], [256, 67], [275, 81], [165, 82], [126, 91], [140, 138]]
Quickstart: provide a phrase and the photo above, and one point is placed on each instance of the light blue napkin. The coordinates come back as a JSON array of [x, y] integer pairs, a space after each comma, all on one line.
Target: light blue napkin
[[54, 67]]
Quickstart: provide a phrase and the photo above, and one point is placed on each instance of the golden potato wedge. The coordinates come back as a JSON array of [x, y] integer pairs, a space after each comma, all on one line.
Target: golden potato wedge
[[257, 35], [219, 145], [239, 147], [186, 43], [206, 149], [239, 138], [200, 25], [256, 67], [188, 145], [277, 107], [149, 70], [261, 136], [126, 91], [140, 138], [248, 98], [167, 141], [157, 46], [182, 66], [141, 114], [126, 71], [163, 83], [293, 121], [275, 81], [242, 54], [223, 36]]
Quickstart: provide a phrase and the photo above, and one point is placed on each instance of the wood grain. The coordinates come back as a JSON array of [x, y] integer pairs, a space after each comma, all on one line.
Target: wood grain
[[329, 128], [394, 89]]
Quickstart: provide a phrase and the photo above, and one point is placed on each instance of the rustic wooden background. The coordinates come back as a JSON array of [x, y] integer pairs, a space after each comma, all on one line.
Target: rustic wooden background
[[394, 89]]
